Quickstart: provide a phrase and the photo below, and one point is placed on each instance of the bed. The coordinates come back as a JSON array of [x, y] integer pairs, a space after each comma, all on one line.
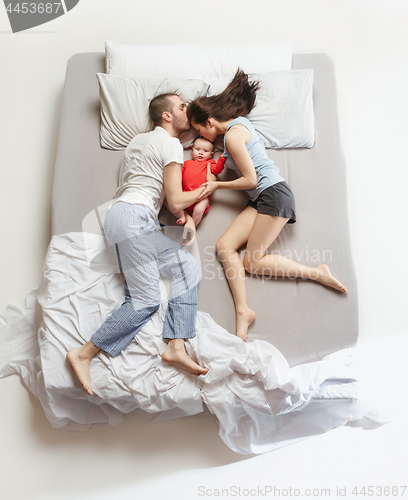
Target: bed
[[304, 320], [294, 378]]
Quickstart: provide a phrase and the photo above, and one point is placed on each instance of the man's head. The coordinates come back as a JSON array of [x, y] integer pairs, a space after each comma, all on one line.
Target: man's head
[[202, 149], [168, 110]]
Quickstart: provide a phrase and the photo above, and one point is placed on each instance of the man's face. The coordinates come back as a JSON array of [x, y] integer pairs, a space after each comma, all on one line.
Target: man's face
[[179, 114]]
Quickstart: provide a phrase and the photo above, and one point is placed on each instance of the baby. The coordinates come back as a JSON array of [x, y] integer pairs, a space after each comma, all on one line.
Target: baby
[[194, 174]]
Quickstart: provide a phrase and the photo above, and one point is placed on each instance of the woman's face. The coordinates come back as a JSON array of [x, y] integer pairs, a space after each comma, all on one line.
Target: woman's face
[[208, 131]]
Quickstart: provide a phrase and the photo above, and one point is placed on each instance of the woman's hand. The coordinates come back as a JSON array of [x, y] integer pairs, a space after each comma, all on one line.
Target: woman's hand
[[189, 232], [209, 188], [210, 175]]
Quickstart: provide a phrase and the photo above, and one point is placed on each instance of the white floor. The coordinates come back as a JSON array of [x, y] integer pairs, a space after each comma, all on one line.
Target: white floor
[[186, 460]]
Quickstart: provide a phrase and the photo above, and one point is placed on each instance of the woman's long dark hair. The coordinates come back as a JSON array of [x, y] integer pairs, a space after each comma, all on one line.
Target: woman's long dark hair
[[237, 99]]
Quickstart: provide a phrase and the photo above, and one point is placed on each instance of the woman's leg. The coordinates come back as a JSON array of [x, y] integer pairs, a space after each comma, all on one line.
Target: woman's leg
[[228, 245], [259, 232], [265, 230]]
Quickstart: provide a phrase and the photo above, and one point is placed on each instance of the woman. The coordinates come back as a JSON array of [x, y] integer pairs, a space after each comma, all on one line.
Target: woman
[[271, 204]]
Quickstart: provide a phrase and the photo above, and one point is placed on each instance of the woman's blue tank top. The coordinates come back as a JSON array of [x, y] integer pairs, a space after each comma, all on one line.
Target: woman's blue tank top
[[266, 171]]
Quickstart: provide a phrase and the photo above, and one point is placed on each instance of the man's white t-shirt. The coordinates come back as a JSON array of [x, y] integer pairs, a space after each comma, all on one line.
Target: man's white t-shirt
[[141, 173]]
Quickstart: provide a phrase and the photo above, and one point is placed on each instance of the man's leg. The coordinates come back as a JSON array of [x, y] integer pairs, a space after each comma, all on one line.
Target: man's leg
[[141, 250], [123, 324], [177, 263], [123, 227]]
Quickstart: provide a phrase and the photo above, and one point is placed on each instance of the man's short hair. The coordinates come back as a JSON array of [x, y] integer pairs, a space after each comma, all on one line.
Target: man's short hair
[[158, 105]]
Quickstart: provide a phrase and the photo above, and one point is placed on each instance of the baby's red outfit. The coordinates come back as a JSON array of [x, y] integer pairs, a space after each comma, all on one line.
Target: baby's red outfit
[[195, 173]]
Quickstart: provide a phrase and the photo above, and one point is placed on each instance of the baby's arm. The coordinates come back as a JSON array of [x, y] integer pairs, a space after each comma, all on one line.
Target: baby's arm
[[218, 167], [215, 168]]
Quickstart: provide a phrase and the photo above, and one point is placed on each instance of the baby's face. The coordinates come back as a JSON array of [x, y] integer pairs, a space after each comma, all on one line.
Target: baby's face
[[202, 150]]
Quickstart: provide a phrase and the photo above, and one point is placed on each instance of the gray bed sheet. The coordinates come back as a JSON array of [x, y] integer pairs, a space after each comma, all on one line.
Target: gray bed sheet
[[303, 319]]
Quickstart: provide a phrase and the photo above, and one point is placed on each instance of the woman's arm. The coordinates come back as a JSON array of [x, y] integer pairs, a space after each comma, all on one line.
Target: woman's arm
[[177, 199], [235, 141]]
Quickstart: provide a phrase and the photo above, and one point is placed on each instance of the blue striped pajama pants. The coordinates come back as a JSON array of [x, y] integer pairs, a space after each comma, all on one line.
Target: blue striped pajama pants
[[144, 253]]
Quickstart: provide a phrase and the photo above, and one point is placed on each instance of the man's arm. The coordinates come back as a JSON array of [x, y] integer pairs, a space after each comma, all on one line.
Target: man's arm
[[176, 198]]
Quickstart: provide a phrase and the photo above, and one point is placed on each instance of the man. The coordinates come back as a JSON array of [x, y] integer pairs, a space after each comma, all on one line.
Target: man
[[151, 161]]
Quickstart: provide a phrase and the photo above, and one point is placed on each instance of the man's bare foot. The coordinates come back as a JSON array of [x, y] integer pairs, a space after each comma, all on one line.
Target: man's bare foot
[[326, 278], [244, 319], [176, 354], [80, 359]]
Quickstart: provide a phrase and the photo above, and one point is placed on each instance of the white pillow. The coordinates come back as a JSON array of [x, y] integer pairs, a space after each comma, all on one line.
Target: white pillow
[[125, 106], [283, 113], [193, 61]]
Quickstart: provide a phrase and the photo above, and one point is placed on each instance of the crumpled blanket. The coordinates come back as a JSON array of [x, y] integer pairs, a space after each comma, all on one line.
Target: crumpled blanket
[[260, 402]]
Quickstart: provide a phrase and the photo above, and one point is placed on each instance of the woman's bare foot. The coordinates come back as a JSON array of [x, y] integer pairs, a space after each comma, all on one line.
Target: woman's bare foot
[[176, 354], [244, 319], [80, 359], [326, 278]]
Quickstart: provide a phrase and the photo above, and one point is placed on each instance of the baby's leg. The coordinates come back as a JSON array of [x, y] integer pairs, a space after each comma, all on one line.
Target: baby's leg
[[199, 210], [181, 217]]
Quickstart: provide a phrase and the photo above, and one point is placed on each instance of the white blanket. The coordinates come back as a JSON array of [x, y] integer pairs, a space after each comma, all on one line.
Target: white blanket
[[260, 402]]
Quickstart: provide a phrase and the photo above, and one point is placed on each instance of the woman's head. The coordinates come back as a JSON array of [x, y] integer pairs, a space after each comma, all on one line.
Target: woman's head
[[237, 99]]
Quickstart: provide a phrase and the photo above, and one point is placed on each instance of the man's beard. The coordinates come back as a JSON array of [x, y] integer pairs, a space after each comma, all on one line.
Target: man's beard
[[179, 126]]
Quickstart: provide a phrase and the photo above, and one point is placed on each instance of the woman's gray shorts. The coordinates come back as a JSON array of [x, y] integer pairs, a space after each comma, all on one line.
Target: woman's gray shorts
[[276, 200]]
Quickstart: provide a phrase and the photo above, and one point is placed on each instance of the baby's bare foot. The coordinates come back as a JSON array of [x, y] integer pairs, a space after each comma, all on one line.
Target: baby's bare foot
[[181, 217], [244, 319], [325, 277], [176, 354], [80, 364]]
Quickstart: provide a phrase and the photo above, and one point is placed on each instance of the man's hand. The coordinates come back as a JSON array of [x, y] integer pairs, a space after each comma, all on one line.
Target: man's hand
[[209, 188], [189, 232]]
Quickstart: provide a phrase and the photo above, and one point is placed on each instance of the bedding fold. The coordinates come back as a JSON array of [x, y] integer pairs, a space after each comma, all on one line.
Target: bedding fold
[[261, 403]]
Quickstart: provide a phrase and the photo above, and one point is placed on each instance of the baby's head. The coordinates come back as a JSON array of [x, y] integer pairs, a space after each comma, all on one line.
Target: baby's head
[[202, 149]]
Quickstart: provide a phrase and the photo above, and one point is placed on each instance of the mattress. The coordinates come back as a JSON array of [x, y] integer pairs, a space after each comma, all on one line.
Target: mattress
[[303, 319]]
